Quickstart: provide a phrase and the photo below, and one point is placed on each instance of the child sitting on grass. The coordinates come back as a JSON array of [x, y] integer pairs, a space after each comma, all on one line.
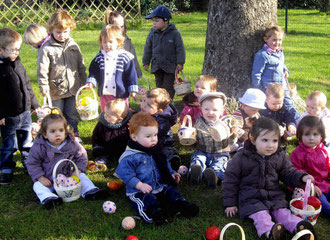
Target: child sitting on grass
[[36, 35], [150, 180], [54, 143]]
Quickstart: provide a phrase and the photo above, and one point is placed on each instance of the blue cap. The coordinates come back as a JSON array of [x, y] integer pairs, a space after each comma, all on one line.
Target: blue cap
[[162, 12]]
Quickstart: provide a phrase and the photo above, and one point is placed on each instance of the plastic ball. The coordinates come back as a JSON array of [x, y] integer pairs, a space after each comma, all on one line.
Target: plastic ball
[[69, 182], [183, 170], [310, 208], [60, 179], [115, 184], [85, 101], [128, 223], [76, 178], [131, 237], [212, 233], [298, 193], [109, 207]]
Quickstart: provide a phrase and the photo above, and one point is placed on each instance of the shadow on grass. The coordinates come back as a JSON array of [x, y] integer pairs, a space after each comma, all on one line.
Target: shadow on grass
[[309, 34]]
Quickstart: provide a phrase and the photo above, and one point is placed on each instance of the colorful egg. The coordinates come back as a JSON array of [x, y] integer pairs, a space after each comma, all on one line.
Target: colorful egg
[[60, 179], [69, 182], [76, 178], [298, 193], [183, 170], [109, 207]]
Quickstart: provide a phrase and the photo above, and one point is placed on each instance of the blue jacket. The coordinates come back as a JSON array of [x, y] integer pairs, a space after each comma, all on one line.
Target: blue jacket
[[284, 116]]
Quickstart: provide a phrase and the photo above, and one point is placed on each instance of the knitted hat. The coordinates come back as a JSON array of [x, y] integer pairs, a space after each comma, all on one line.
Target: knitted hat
[[162, 12], [213, 95], [254, 97]]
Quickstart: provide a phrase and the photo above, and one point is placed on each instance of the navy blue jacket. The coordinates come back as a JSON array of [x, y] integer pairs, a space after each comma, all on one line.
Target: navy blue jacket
[[284, 117]]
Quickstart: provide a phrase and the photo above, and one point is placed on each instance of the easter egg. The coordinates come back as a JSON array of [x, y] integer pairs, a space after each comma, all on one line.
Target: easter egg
[[314, 201], [85, 101], [128, 223], [60, 179], [76, 178], [69, 182], [212, 233], [109, 207], [115, 184], [183, 170], [310, 208], [298, 204], [131, 237], [298, 193]]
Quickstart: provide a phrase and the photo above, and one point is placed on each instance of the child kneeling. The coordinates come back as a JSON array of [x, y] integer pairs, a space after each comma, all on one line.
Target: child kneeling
[[149, 178]]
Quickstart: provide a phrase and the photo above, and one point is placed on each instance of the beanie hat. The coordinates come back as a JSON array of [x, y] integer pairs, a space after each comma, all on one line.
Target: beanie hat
[[254, 97]]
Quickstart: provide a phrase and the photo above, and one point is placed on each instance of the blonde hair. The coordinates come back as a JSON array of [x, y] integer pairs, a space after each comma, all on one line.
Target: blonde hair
[[273, 29], [118, 106], [8, 36], [61, 19], [54, 117], [160, 96], [319, 96], [275, 90], [110, 32], [110, 17], [141, 119], [210, 80], [34, 34]]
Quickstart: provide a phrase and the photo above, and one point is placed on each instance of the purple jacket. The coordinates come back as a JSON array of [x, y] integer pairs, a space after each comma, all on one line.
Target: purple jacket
[[42, 158]]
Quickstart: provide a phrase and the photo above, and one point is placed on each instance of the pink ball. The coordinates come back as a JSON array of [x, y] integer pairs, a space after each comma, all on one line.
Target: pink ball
[[183, 170], [69, 182], [60, 179], [109, 207]]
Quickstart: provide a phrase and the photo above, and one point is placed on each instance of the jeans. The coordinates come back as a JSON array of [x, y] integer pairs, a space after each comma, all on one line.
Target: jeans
[[165, 80], [68, 108], [324, 198], [16, 134]]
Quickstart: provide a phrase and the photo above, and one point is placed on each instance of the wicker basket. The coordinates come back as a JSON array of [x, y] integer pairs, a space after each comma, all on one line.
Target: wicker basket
[[141, 93], [89, 111], [68, 194], [187, 133], [182, 86], [223, 230]]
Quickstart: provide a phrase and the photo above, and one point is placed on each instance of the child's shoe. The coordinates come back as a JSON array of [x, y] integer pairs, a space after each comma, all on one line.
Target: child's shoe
[[6, 178], [278, 232], [306, 225], [211, 177], [97, 195], [159, 217], [195, 174], [187, 209], [53, 202]]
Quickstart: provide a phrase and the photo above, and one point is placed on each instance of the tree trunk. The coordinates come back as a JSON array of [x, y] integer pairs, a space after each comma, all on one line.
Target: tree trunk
[[234, 34]]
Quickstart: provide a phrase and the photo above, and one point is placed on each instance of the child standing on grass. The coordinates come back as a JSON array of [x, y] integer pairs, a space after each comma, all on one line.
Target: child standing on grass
[[61, 69], [36, 35], [164, 49], [16, 100], [113, 68], [252, 183], [150, 180], [268, 66], [204, 84], [117, 18], [54, 143], [312, 157]]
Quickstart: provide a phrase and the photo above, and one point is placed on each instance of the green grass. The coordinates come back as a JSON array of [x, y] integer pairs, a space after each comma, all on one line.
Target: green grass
[[306, 48]]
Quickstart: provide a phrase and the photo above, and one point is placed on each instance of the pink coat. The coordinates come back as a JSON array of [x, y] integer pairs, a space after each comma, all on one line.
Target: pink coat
[[313, 161], [191, 107]]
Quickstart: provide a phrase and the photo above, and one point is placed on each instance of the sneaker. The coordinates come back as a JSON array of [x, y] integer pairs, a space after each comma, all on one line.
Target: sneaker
[[175, 162], [6, 178], [306, 225], [278, 232], [195, 174], [187, 209], [53, 202], [211, 177], [97, 195]]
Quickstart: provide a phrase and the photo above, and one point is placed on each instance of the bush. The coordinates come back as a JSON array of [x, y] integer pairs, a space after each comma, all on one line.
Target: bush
[[307, 4]]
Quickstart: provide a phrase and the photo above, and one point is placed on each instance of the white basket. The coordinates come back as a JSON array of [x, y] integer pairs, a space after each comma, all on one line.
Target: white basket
[[68, 194], [222, 129], [187, 133], [223, 230], [141, 93], [181, 87], [90, 111], [303, 233]]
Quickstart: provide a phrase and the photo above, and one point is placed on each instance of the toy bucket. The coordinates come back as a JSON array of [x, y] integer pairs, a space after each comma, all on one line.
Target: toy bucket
[[223, 230], [182, 85], [68, 194], [303, 233], [222, 129], [88, 108], [187, 133], [141, 93]]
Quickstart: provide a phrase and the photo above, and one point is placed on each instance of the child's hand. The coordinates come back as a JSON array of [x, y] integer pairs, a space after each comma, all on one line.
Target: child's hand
[[306, 177], [2, 122], [143, 187], [292, 130], [318, 191], [286, 75], [179, 67], [231, 211], [146, 67], [177, 177], [132, 94], [45, 181]]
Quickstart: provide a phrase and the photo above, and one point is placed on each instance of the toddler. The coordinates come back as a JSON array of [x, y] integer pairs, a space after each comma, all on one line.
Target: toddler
[[36, 35], [164, 49], [268, 66], [252, 183], [113, 68], [150, 180], [54, 143], [204, 84], [312, 157], [16, 98], [60, 67]]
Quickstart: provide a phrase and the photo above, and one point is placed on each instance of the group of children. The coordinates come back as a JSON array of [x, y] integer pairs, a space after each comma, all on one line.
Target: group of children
[[142, 143]]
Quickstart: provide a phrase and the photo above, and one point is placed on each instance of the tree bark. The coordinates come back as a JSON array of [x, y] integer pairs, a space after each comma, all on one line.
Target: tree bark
[[234, 34]]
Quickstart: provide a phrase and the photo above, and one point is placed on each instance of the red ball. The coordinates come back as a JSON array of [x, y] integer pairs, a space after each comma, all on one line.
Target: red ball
[[212, 233], [131, 237]]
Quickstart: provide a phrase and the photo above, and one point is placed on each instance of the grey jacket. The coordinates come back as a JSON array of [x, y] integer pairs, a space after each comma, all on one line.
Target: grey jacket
[[128, 46], [164, 49]]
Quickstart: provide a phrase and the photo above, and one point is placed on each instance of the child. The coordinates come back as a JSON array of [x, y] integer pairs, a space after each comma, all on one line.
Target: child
[[113, 68], [164, 49], [61, 69], [111, 133], [150, 181], [16, 98], [277, 111], [118, 19], [211, 157], [312, 157], [55, 142], [157, 104], [269, 67], [204, 84], [252, 183], [36, 35]]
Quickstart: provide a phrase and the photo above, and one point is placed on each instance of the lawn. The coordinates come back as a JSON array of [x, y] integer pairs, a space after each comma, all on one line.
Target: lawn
[[306, 49]]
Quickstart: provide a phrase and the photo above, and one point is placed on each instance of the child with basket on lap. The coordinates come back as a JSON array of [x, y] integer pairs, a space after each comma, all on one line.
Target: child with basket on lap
[[312, 157], [55, 142], [252, 183], [60, 67], [113, 68]]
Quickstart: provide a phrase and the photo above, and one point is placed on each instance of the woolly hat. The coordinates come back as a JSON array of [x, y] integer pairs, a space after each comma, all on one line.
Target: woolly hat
[[254, 97], [162, 12], [213, 95]]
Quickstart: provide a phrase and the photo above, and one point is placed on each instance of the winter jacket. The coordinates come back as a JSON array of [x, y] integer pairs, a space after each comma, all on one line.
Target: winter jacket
[[16, 94], [191, 107], [313, 161], [284, 116], [60, 68], [43, 157], [128, 46], [164, 49], [252, 182]]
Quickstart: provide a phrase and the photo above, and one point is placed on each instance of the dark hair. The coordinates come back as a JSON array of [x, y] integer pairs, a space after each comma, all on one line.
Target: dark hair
[[262, 124], [310, 122], [110, 17], [54, 117]]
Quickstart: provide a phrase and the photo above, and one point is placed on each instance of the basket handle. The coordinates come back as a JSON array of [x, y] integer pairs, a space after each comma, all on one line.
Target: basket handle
[[48, 99], [147, 80], [307, 193], [80, 89], [302, 233], [186, 119], [58, 163], [183, 76], [222, 233]]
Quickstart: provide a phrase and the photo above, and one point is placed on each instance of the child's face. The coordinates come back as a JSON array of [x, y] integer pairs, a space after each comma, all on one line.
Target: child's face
[[266, 143], [11, 51], [55, 133], [147, 136], [201, 88], [250, 111], [273, 103], [274, 41], [148, 105], [61, 35], [159, 23], [313, 107], [212, 109], [119, 21], [311, 137], [112, 117], [109, 45]]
